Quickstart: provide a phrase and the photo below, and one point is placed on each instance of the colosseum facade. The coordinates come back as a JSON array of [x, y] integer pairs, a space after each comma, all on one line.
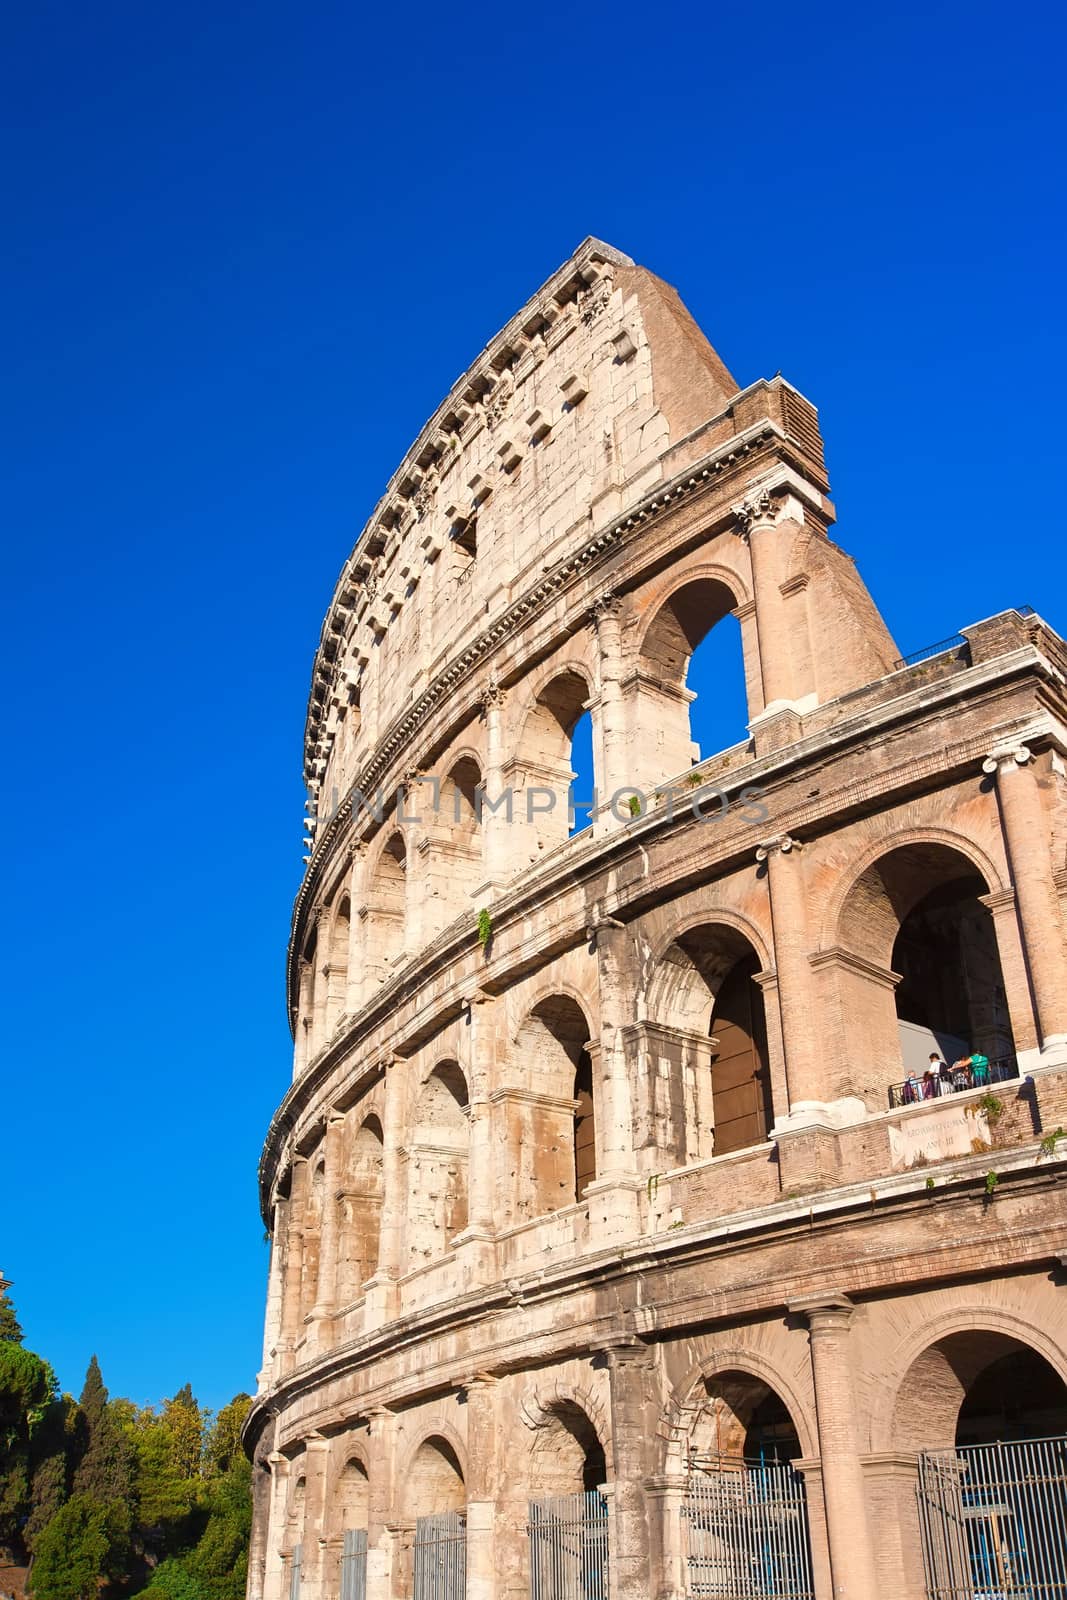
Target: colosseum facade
[[621, 1242]]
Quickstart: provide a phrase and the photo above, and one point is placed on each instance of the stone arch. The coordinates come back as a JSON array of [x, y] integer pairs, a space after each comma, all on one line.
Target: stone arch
[[553, 1138], [453, 867], [921, 971], [434, 1476], [438, 1160], [387, 906], [568, 1455], [718, 1400], [966, 1315], [361, 1203], [540, 1404], [296, 1497], [351, 1489], [984, 1369], [542, 760], [662, 694], [337, 961], [708, 1021]]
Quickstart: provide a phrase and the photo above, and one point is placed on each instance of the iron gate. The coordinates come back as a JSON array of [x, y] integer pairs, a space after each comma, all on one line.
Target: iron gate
[[441, 1556], [354, 1565], [295, 1563], [994, 1521], [569, 1547], [746, 1527]]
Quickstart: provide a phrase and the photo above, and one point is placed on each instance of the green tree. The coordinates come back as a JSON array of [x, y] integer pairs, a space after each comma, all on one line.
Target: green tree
[[10, 1332], [223, 1443], [83, 1545], [106, 1467], [27, 1390]]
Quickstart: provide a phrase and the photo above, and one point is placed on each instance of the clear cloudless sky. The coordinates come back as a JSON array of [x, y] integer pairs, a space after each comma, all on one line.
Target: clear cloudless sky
[[248, 248]]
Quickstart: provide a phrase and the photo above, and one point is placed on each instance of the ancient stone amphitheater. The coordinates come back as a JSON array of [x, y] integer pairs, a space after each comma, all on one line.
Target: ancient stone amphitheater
[[622, 1241]]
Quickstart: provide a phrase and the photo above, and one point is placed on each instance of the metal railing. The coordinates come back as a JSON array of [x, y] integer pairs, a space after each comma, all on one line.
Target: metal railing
[[912, 1091], [993, 1519], [746, 1530], [569, 1547], [957, 643], [441, 1556], [296, 1561], [354, 1565]]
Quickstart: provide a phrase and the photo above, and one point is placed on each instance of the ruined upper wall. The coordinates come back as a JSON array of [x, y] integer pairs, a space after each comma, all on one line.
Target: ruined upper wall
[[598, 389]]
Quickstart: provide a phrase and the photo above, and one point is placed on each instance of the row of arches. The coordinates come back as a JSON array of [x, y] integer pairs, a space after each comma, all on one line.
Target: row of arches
[[702, 1066]]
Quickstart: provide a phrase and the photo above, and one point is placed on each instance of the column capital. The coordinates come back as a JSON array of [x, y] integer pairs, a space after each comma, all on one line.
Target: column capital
[[493, 695], [781, 844], [607, 609], [1006, 756], [832, 1310]]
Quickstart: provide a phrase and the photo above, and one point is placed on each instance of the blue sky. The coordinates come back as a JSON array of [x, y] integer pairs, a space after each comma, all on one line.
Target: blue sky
[[248, 250]]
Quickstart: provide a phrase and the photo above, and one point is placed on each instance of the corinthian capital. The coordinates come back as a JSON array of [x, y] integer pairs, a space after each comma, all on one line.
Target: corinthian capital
[[608, 607]]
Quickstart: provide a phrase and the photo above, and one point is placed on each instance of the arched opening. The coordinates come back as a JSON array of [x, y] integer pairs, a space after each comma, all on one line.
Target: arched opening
[[435, 1495], [568, 1455], [306, 1041], [544, 765], [434, 1480], [568, 1519], [352, 1495], [437, 1164], [386, 908], [742, 1489], [313, 1233], [583, 768], [978, 1387], [917, 914], [337, 978], [453, 868], [712, 1026], [690, 694], [357, 1256], [552, 1141], [294, 1517]]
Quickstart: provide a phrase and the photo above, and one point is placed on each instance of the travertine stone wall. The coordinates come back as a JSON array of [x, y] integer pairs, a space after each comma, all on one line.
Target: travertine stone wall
[[515, 1253]]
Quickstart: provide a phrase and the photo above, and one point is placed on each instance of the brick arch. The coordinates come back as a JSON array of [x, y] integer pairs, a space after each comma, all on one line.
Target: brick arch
[[687, 1406], [709, 915], [540, 1406], [533, 685], [551, 988], [686, 630], [439, 1428], [656, 595], [969, 1316], [885, 844]]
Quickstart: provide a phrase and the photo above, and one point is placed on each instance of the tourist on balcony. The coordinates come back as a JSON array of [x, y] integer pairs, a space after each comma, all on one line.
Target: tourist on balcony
[[961, 1073], [942, 1073], [930, 1085], [979, 1070]]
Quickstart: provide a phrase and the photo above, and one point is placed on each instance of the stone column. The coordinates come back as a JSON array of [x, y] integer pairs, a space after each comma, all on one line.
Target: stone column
[[634, 1419], [746, 617], [274, 1564], [382, 1510], [292, 1325], [321, 1332], [769, 523], [482, 1477], [1020, 1004], [847, 1527], [613, 753], [313, 1534], [613, 1195], [497, 857], [381, 1294], [272, 1324], [667, 1574], [305, 1000], [789, 922], [477, 1238], [1026, 836], [355, 988]]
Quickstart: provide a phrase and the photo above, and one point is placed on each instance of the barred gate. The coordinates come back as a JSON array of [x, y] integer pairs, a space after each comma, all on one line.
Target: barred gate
[[746, 1527], [993, 1519], [354, 1565], [441, 1556], [296, 1561], [569, 1547]]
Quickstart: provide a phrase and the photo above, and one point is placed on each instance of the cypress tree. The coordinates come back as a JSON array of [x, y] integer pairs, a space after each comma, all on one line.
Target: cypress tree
[[10, 1332], [106, 1468]]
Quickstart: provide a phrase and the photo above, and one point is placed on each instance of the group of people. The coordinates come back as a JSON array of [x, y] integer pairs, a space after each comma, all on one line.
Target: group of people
[[969, 1072]]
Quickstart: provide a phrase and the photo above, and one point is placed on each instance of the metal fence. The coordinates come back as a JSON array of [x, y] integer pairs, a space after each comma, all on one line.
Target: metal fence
[[569, 1547], [354, 1565], [296, 1561], [993, 1519], [912, 1092], [441, 1556], [746, 1528]]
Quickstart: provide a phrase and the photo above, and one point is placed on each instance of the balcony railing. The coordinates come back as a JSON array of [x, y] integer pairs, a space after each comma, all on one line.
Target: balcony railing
[[915, 1091]]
